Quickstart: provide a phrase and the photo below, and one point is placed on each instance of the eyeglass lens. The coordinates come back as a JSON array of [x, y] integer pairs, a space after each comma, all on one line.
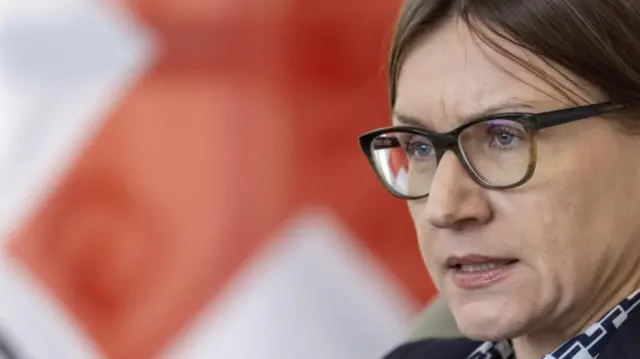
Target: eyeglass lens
[[496, 151]]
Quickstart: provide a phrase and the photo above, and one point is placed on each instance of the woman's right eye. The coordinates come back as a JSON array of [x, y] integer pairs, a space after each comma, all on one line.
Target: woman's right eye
[[419, 148]]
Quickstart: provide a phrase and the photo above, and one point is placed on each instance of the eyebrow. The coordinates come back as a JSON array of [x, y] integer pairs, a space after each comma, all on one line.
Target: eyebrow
[[501, 107]]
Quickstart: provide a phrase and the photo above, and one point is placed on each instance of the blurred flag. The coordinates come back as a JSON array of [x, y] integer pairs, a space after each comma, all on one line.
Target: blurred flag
[[181, 179]]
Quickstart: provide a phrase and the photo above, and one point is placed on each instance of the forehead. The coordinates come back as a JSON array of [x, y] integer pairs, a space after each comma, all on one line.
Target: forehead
[[449, 76]]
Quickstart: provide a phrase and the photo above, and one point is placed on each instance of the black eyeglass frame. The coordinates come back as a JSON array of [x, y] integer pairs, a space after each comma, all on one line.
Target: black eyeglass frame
[[449, 141]]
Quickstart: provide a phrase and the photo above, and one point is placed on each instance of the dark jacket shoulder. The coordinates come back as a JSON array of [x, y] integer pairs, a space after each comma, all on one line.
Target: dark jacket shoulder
[[625, 343], [435, 349]]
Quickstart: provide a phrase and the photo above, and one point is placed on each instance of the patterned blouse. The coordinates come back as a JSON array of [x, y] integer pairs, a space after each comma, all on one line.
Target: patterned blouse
[[587, 345]]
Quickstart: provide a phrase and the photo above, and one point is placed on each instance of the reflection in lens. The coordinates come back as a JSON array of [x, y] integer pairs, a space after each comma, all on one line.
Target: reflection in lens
[[406, 162]]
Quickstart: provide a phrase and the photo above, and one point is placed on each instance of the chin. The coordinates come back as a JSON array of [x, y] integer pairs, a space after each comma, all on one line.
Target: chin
[[488, 320]]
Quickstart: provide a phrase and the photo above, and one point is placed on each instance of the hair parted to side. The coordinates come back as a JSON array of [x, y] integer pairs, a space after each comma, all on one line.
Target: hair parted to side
[[596, 40]]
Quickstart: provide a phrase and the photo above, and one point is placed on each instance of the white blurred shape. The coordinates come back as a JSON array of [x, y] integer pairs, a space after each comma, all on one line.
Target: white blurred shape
[[312, 294]]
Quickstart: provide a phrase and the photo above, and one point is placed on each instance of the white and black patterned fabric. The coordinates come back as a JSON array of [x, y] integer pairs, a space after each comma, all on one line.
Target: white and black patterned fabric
[[587, 345]]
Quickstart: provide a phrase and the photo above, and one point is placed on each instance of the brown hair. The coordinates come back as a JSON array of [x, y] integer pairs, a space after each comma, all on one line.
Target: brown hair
[[597, 40]]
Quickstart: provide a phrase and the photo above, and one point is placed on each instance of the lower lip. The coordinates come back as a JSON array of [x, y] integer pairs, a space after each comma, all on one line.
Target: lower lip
[[481, 279]]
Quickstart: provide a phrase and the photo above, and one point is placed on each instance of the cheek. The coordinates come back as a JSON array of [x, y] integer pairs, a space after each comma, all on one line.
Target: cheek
[[423, 233], [538, 226], [563, 234]]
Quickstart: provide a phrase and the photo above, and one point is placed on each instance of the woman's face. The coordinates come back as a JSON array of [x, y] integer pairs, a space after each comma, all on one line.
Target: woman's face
[[571, 234]]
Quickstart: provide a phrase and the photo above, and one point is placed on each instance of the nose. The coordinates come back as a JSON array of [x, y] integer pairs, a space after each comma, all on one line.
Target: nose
[[455, 200]]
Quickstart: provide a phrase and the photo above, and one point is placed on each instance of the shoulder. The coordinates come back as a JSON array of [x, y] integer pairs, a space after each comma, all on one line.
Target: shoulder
[[435, 349]]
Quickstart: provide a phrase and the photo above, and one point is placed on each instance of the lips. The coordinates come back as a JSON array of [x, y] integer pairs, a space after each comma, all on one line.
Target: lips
[[476, 272], [477, 262]]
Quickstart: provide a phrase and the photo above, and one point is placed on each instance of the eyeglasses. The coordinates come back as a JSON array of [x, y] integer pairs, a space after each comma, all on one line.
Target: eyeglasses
[[497, 151]]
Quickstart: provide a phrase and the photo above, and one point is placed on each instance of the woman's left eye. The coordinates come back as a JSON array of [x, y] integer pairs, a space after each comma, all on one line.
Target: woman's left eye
[[505, 138]]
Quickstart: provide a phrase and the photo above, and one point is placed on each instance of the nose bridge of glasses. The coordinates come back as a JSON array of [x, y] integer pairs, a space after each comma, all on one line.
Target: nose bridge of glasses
[[443, 143], [449, 142]]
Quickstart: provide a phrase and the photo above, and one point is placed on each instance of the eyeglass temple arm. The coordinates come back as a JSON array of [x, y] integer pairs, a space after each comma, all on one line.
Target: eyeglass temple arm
[[559, 117]]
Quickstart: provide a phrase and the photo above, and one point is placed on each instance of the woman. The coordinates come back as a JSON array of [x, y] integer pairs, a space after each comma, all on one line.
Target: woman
[[530, 223]]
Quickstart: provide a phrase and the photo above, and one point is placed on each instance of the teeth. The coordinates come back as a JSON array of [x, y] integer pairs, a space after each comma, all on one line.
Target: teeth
[[470, 268]]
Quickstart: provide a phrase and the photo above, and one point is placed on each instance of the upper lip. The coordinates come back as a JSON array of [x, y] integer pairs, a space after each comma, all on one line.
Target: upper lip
[[455, 261]]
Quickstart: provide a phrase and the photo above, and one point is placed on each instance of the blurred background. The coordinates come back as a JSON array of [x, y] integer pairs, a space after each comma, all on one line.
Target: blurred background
[[182, 179]]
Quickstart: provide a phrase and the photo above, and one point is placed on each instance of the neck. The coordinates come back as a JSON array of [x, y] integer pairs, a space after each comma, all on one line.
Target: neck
[[536, 345]]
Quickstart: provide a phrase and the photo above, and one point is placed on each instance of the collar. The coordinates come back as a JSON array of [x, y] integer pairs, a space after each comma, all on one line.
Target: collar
[[586, 345]]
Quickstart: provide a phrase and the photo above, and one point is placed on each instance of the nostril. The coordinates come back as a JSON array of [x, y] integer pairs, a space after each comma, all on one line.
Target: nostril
[[441, 218]]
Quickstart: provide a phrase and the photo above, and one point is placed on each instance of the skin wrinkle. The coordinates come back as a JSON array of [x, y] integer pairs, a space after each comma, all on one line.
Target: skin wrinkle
[[566, 226]]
